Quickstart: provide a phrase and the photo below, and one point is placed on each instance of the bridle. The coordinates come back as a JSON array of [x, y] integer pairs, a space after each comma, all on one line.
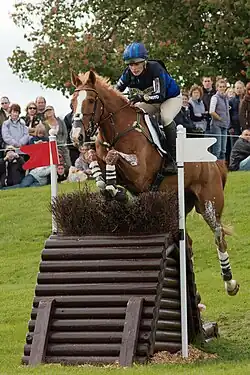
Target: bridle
[[93, 125]]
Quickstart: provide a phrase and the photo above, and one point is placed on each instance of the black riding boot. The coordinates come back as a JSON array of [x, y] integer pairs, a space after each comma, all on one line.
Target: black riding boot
[[170, 132]]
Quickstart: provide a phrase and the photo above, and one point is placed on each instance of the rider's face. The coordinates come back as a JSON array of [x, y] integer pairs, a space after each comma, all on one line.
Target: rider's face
[[137, 68]]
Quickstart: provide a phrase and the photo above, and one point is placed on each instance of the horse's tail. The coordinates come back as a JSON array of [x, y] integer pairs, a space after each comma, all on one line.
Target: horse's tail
[[223, 171]]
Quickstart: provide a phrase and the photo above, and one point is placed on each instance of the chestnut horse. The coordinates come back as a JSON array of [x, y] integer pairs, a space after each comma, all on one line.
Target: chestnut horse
[[123, 139]]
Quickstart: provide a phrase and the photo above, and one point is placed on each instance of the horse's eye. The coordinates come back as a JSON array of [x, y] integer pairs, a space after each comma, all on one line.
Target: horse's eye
[[91, 101]]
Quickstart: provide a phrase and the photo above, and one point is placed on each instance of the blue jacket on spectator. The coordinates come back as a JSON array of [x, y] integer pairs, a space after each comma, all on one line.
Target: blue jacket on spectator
[[234, 104], [36, 139]]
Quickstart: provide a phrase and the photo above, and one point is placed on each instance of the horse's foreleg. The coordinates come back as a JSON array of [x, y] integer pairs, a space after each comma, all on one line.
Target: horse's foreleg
[[111, 160], [96, 170], [213, 221]]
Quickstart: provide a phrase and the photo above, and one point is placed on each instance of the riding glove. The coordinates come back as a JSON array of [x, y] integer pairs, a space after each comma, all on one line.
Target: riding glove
[[137, 98]]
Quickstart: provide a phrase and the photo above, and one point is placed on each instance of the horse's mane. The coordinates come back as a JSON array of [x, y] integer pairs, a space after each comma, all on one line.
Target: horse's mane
[[102, 82]]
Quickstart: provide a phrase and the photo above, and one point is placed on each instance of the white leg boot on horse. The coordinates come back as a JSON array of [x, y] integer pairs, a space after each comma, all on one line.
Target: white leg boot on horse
[[96, 170], [116, 192]]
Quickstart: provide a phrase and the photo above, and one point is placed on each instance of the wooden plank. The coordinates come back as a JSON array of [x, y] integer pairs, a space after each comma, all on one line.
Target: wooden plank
[[98, 300], [171, 293], [81, 253], [103, 265], [90, 289], [90, 325], [87, 337], [169, 314], [40, 338], [170, 262], [86, 313], [77, 350], [168, 303], [94, 241], [130, 331], [98, 277], [166, 325], [172, 272], [170, 282], [168, 336], [95, 312]]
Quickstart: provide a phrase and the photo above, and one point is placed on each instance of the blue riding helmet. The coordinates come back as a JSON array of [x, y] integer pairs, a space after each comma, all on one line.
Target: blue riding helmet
[[135, 52]]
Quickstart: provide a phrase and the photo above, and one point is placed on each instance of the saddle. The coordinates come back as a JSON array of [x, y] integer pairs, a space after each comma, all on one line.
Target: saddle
[[153, 122], [158, 127]]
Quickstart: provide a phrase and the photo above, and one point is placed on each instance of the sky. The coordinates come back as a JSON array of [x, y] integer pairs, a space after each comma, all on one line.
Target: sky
[[18, 91]]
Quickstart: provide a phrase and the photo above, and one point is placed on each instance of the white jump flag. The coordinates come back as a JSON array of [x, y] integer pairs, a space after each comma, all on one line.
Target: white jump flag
[[187, 150]]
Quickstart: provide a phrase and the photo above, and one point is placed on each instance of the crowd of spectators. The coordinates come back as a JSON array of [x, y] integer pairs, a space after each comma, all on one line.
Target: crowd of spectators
[[220, 110], [211, 109], [35, 126]]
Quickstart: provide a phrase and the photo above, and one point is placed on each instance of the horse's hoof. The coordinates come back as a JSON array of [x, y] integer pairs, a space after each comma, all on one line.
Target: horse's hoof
[[121, 195], [106, 195], [100, 183], [232, 287]]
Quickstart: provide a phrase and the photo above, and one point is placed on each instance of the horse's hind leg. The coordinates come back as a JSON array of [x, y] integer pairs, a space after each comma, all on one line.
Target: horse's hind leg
[[211, 211]]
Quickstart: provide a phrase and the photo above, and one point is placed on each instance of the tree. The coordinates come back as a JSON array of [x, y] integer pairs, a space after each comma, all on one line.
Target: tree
[[193, 37]]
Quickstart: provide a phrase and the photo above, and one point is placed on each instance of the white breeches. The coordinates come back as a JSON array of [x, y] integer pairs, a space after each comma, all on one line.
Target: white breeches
[[168, 109]]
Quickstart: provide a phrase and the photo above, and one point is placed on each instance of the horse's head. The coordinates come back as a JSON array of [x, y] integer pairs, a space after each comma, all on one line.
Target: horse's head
[[88, 108]]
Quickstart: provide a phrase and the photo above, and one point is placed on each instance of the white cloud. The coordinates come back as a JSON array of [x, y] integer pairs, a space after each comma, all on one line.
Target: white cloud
[[10, 84]]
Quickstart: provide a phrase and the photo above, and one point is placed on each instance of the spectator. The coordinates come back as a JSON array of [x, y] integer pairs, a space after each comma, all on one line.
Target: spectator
[[208, 92], [82, 163], [230, 93], [40, 104], [245, 109], [74, 153], [36, 177], [4, 110], [219, 110], [11, 171], [183, 117], [240, 155], [40, 135], [56, 126], [14, 130], [197, 109], [234, 104], [62, 173], [31, 119], [4, 114]]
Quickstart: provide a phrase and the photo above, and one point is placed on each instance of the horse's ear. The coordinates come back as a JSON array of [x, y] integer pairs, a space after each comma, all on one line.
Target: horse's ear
[[75, 79], [91, 78]]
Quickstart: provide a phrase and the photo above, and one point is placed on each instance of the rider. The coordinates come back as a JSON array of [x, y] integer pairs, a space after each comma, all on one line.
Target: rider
[[165, 96]]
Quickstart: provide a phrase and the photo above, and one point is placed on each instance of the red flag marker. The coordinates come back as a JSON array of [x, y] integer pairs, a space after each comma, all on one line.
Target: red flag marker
[[40, 155]]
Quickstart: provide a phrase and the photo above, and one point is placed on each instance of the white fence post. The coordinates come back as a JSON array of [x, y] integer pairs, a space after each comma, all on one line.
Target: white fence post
[[187, 150], [53, 175]]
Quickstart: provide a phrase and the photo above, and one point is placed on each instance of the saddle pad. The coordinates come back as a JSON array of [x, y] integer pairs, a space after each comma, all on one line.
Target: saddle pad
[[154, 135]]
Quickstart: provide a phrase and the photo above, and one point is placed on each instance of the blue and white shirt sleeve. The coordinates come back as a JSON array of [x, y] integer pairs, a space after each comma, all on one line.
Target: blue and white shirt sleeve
[[123, 82]]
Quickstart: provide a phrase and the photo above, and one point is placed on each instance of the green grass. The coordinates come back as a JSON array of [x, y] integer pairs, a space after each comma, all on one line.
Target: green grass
[[25, 223]]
